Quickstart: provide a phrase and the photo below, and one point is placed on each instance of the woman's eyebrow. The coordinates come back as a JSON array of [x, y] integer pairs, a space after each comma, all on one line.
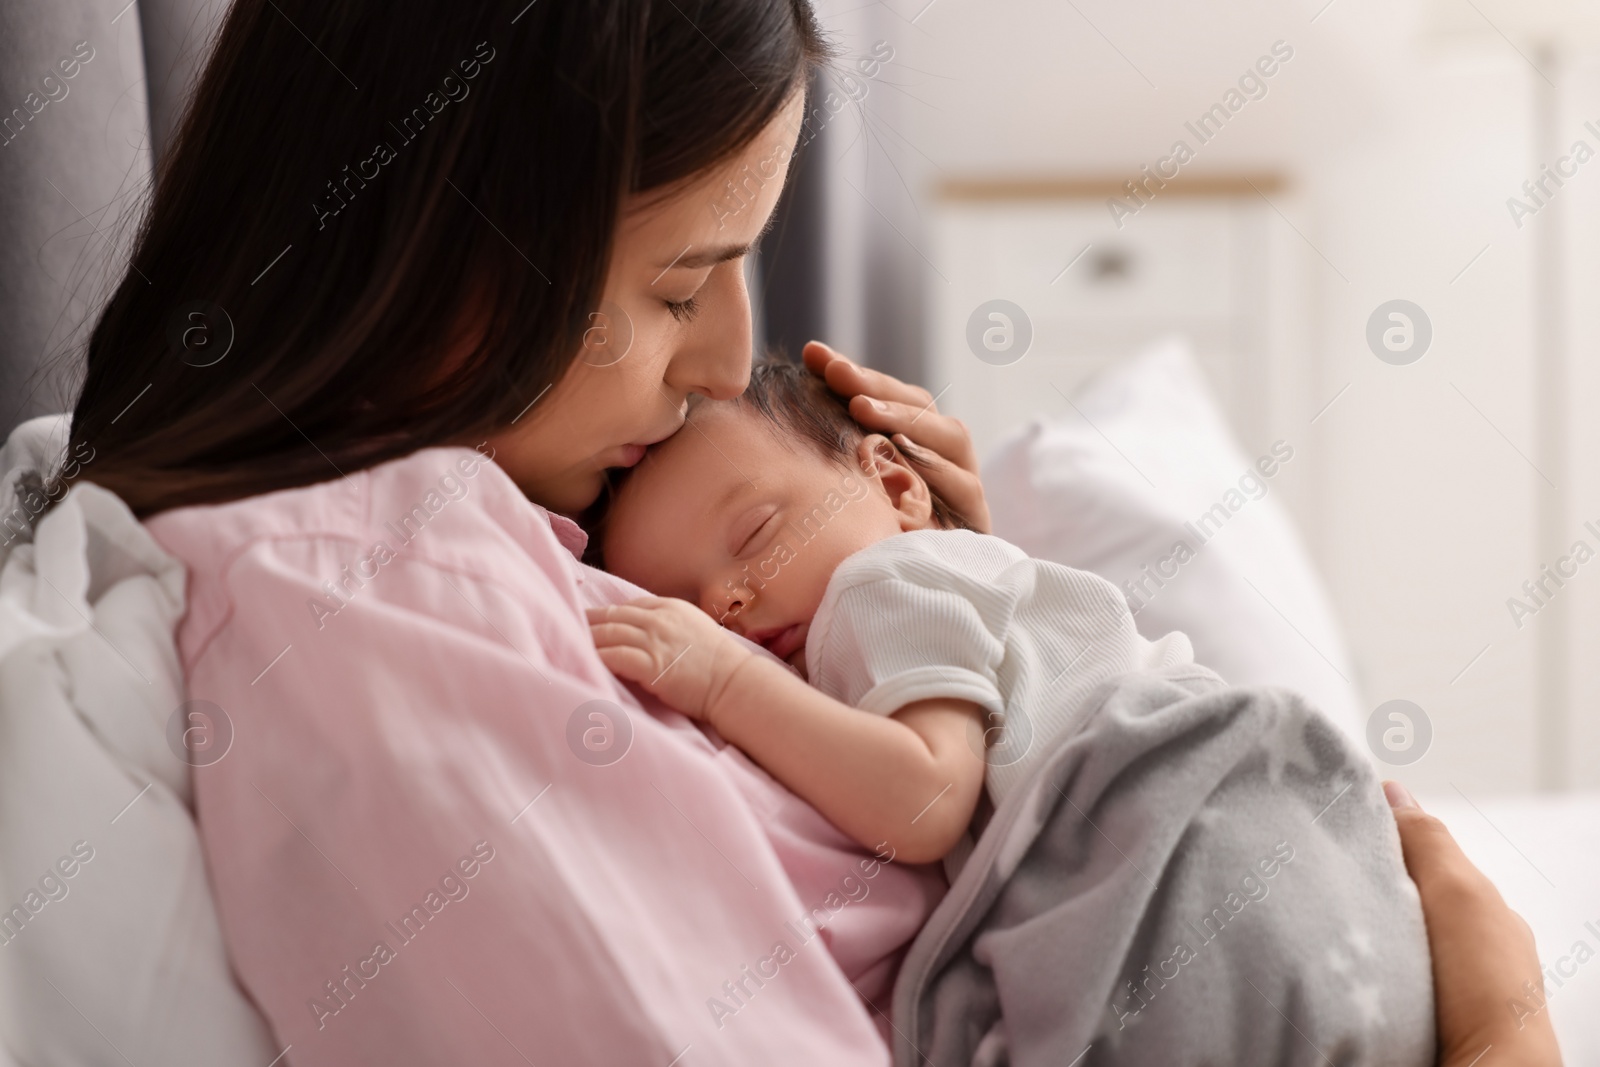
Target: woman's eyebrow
[[711, 257]]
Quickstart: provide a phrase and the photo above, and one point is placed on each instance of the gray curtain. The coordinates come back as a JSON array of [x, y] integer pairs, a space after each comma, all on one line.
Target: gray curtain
[[86, 86], [792, 294]]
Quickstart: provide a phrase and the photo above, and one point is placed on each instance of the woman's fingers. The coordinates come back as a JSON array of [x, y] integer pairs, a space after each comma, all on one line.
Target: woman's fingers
[[1488, 987], [957, 486], [884, 403], [940, 446], [848, 378], [945, 434], [1433, 858]]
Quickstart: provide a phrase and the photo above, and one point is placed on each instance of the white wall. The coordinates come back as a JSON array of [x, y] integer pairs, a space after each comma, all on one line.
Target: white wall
[[1402, 132]]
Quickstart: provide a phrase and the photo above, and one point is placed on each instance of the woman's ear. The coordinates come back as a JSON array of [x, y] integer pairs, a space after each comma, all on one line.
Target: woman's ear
[[881, 462]]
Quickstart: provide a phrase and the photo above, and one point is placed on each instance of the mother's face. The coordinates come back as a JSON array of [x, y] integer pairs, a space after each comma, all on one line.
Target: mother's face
[[676, 284]]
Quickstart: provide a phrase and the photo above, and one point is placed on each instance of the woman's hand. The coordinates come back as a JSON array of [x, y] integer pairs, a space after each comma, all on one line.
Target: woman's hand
[[939, 446], [671, 648], [1483, 952]]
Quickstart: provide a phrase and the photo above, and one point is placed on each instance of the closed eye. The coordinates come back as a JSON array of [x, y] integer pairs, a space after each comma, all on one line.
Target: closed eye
[[683, 310], [755, 536]]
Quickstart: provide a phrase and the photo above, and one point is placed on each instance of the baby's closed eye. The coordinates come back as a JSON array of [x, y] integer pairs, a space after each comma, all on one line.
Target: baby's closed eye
[[750, 530]]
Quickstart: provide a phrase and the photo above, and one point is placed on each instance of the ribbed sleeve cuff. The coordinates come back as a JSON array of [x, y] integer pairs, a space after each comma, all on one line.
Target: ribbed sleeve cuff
[[926, 683]]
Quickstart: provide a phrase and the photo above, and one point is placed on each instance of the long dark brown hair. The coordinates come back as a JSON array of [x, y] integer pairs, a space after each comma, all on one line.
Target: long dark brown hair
[[353, 181]]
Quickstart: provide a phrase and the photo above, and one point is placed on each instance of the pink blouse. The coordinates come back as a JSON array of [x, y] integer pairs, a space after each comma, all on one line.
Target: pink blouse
[[442, 832]]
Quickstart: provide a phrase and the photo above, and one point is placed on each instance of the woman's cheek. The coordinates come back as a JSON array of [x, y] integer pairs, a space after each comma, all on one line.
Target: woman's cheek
[[641, 389], [651, 352]]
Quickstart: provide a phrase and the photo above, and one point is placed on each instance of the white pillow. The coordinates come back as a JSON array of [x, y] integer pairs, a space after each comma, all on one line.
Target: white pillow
[[115, 954], [1146, 464]]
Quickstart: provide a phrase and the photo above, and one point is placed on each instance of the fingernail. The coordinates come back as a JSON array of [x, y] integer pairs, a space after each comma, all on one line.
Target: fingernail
[[1399, 796], [877, 405]]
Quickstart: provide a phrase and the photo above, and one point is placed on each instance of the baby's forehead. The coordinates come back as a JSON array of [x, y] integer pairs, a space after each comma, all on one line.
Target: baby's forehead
[[726, 433], [709, 441], [704, 454], [681, 481], [723, 443]]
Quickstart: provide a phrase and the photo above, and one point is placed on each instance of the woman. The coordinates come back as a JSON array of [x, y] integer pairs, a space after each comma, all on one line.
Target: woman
[[414, 277]]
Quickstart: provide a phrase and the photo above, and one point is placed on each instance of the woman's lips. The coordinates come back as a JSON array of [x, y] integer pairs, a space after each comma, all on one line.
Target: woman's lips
[[630, 454]]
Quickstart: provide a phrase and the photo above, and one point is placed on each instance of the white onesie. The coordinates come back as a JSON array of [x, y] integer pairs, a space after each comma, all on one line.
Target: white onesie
[[952, 613]]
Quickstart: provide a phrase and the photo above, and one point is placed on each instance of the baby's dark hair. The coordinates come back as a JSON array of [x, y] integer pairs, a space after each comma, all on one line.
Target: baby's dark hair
[[800, 403]]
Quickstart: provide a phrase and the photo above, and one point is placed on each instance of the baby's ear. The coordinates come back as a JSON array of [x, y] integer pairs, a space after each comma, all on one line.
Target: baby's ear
[[908, 493]]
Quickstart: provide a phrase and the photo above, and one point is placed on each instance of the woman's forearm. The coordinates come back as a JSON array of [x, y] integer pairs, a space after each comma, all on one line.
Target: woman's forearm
[[873, 777]]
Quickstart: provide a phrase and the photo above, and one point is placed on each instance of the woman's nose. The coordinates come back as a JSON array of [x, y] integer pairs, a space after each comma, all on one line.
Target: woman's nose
[[727, 385], [716, 369], [715, 360]]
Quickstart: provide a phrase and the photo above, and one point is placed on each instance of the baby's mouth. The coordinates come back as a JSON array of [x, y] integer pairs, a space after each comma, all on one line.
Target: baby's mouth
[[787, 642]]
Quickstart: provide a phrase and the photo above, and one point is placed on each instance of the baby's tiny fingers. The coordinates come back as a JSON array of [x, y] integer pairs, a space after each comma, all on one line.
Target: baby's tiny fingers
[[632, 613], [627, 661], [618, 634], [649, 602]]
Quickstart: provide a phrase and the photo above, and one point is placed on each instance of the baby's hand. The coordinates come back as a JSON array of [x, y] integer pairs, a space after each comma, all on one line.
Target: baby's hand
[[671, 648]]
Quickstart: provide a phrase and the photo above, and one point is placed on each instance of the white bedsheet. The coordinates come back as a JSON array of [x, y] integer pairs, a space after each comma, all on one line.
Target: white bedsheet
[[1544, 854]]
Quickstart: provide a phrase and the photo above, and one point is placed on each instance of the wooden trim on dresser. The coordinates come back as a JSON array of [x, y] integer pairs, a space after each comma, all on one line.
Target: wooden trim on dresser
[[1094, 187]]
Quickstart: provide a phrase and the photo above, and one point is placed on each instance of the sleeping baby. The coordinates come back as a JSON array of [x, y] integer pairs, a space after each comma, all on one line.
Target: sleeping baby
[[923, 674]]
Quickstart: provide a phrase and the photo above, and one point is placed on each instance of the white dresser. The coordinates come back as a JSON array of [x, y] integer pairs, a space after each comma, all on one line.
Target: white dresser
[[1206, 266]]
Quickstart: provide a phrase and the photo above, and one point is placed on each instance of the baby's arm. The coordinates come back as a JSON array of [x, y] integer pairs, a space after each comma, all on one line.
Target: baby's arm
[[911, 780]]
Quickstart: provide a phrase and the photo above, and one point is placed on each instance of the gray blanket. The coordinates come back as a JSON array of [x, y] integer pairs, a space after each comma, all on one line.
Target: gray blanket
[[1197, 875]]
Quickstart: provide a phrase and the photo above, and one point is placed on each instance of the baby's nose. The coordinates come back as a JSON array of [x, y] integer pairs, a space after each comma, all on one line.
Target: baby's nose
[[729, 615]]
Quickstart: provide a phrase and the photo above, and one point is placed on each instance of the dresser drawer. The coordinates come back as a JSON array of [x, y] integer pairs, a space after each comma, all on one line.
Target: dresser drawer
[[1174, 260]]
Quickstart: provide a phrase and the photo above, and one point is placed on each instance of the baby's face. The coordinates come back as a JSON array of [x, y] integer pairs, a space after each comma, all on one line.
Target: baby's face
[[749, 526]]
